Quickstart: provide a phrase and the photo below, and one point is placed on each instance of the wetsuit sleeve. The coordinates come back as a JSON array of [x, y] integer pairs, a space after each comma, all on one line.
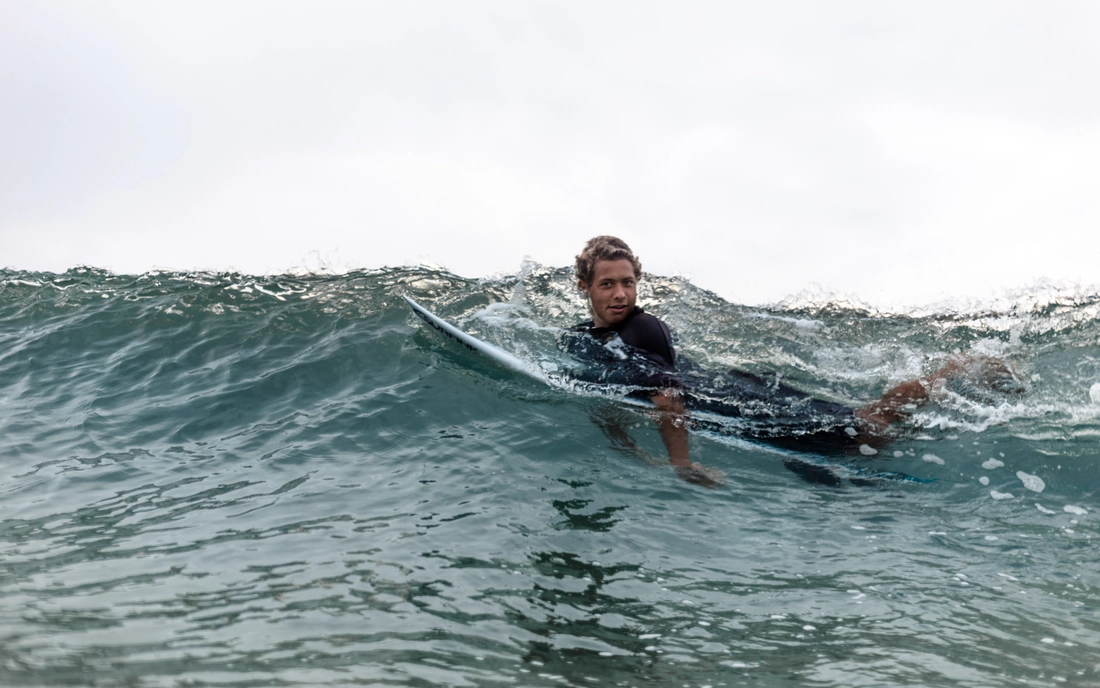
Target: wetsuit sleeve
[[649, 334]]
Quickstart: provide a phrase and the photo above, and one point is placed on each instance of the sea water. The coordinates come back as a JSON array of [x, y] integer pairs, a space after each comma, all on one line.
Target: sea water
[[225, 480]]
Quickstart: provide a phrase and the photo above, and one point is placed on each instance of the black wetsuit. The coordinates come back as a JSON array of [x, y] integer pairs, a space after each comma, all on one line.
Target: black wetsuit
[[638, 353]]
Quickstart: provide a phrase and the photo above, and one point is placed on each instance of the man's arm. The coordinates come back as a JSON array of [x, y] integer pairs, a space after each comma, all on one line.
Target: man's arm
[[672, 424], [901, 401]]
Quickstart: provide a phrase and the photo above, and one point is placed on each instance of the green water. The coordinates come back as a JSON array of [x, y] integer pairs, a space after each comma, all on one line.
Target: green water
[[222, 480]]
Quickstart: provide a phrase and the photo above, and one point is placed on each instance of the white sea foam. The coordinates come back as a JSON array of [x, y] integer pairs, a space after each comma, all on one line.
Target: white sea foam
[[984, 480], [1070, 509], [1094, 392], [932, 458], [990, 464], [1031, 482], [1000, 495], [1043, 509]]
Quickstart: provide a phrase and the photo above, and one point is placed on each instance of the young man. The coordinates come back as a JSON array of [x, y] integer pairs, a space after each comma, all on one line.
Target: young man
[[634, 348], [608, 273]]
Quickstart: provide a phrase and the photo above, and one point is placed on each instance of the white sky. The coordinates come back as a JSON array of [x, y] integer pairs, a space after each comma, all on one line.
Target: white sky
[[903, 152]]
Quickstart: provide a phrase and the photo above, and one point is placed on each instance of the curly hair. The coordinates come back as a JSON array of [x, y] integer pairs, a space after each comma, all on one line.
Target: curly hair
[[604, 248]]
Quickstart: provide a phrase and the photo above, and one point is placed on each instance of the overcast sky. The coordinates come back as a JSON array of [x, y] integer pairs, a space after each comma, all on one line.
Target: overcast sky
[[902, 152]]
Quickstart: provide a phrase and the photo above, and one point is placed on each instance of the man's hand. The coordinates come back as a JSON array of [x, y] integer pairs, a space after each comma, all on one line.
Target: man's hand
[[701, 475]]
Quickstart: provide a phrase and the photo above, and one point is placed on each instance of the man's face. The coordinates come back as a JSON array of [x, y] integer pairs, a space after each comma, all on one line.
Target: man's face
[[613, 292]]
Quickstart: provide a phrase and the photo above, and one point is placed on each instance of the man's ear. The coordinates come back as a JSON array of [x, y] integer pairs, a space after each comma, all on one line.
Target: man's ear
[[582, 286]]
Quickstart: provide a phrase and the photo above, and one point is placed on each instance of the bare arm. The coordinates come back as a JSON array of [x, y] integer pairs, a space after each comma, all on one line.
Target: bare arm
[[672, 424], [902, 400], [892, 406], [898, 402]]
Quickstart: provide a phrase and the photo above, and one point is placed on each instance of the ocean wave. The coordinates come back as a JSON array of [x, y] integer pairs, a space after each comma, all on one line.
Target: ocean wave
[[220, 478]]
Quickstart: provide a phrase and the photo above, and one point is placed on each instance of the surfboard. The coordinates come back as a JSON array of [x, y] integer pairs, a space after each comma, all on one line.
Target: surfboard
[[494, 353]]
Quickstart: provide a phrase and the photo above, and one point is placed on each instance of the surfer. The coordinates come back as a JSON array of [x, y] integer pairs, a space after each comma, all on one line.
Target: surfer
[[608, 273], [628, 346]]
